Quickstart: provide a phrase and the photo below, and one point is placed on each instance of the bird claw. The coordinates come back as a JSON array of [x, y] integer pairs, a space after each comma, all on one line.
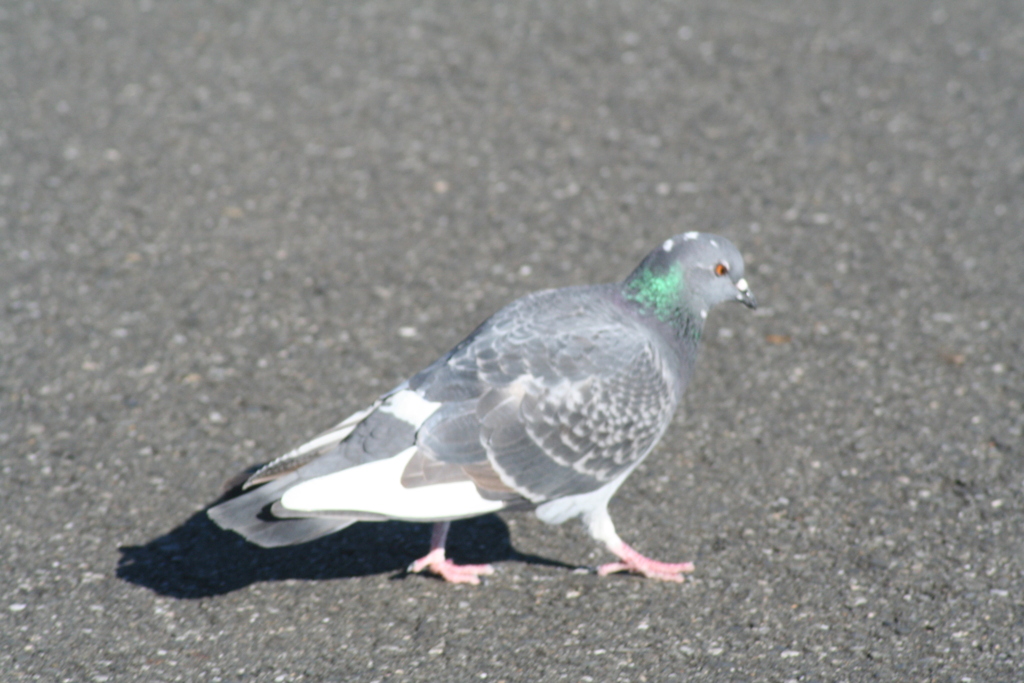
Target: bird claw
[[633, 562], [436, 563]]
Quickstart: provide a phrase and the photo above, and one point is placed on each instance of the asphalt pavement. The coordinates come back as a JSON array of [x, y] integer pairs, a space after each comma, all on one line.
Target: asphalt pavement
[[226, 225]]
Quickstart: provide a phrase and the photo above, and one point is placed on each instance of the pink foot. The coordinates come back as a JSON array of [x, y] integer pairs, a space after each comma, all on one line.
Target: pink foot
[[632, 561], [436, 563]]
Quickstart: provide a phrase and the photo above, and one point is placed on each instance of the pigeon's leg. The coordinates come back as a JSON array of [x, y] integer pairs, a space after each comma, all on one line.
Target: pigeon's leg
[[436, 563], [599, 523]]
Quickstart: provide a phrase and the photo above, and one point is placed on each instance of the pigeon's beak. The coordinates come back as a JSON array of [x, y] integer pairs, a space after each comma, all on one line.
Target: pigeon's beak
[[745, 295]]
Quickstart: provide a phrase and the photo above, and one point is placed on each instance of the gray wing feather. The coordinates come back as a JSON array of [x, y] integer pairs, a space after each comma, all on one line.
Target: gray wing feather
[[563, 396], [379, 436], [578, 436], [452, 434]]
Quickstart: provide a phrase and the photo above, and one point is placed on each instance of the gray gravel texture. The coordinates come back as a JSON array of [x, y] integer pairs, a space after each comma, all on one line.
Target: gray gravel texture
[[226, 225]]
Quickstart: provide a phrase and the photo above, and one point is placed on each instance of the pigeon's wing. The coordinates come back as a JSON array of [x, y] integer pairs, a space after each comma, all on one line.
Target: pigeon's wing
[[548, 403], [549, 441]]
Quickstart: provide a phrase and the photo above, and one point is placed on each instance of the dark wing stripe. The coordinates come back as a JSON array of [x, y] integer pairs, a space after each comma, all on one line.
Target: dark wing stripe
[[280, 467]]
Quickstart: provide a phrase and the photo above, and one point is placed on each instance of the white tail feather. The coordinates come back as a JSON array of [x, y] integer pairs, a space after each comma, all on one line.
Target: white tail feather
[[376, 488]]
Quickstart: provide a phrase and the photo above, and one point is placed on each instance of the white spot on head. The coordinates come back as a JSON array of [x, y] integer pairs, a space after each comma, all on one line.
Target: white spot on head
[[714, 243], [669, 243], [742, 285], [703, 315], [691, 235]]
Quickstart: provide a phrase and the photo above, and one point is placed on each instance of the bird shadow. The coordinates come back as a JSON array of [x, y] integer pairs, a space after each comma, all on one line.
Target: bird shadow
[[198, 559]]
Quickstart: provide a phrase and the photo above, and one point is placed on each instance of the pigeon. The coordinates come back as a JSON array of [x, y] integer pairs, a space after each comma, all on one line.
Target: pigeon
[[547, 406]]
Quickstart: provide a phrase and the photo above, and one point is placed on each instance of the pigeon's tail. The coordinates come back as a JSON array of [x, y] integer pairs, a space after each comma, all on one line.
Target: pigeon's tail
[[385, 429], [249, 515]]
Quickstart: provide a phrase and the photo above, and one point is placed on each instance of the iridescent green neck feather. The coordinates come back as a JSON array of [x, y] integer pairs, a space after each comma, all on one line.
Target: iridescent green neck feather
[[658, 293]]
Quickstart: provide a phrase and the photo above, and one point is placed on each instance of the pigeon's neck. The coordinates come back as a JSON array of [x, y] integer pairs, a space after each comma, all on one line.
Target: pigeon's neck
[[661, 299]]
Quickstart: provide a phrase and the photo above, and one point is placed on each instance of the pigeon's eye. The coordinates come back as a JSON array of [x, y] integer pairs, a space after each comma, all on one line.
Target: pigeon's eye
[[721, 269]]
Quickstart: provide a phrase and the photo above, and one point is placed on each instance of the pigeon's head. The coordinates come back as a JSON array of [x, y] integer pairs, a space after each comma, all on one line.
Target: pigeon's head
[[689, 274]]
